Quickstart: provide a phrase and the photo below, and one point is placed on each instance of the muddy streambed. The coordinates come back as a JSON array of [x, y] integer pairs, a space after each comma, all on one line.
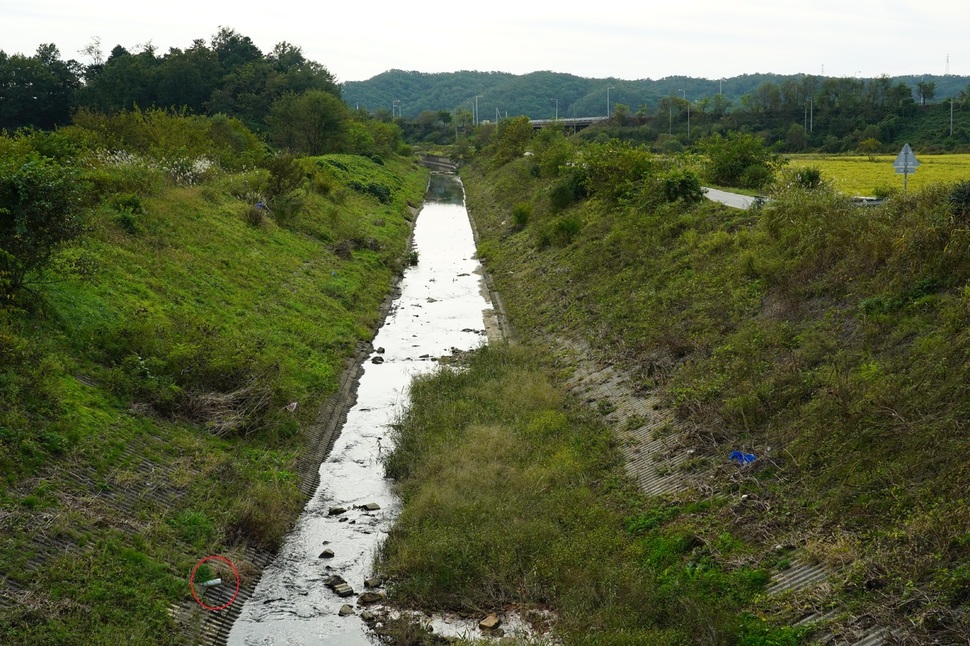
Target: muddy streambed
[[442, 307]]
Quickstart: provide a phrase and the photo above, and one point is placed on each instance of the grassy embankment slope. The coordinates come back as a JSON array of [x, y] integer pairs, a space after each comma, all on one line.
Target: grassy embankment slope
[[151, 429], [831, 341]]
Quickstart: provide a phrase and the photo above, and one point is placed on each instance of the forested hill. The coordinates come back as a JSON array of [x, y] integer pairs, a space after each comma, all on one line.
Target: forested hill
[[536, 94]]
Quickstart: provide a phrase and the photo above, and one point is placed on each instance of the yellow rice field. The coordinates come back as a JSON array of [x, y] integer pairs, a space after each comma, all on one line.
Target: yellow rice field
[[857, 175]]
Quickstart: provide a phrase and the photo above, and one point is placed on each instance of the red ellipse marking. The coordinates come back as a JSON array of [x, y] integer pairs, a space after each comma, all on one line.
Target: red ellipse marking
[[214, 557]]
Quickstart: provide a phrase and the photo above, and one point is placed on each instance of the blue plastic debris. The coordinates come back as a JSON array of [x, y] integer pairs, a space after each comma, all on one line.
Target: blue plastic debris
[[742, 458]]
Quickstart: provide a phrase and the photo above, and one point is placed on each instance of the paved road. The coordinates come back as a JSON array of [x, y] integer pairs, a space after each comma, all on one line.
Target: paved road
[[731, 199]]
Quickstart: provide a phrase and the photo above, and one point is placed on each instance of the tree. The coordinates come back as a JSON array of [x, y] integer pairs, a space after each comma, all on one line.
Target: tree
[[869, 146], [927, 90], [234, 50], [187, 79], [795, 138], [513, 137], [314, 123], [37, 90], [124, 81], [39, 212]]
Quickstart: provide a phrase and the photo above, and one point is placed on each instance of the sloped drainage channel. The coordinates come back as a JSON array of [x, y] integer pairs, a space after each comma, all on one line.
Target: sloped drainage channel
[[318, 590]]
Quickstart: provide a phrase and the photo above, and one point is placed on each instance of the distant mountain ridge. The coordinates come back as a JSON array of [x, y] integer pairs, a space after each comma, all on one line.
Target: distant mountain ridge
[[539, 94]]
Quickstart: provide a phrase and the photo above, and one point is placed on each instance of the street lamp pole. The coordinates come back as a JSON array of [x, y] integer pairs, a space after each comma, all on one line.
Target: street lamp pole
[[608, 100]]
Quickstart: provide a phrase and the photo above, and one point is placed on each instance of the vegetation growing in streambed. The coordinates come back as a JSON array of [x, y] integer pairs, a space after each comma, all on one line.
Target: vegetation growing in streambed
[[514, 497]]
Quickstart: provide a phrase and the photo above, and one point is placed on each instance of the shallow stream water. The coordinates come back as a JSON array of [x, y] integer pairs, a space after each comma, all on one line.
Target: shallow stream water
[[442, 307]]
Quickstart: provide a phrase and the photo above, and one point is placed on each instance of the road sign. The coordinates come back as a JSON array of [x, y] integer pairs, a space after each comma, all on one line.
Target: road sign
[[905, 164], [906, 161]]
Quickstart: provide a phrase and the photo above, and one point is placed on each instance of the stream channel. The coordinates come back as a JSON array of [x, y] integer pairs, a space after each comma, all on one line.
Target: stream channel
[[442, 308]]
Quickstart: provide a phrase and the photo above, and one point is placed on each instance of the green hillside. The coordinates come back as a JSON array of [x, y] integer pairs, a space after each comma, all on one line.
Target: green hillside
[[149, 371], [534, 94]]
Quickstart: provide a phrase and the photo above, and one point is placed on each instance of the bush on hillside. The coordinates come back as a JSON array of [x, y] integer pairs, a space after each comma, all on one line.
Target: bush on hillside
[[739, 159], [40, 212]]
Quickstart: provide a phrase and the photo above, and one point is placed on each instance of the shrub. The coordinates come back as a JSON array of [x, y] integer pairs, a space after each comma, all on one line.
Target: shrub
[[680, 184], [567, 191], [381, 192], [756, 176], [615, 170], [285, 175], [959, 199], [808, 177], [127, 221], [127, 203], [740, 159], [565, 229], [521, 213], [40, 212]]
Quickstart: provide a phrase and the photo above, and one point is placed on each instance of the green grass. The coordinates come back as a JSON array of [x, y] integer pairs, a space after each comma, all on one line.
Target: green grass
[[514, 497], [143, 424], [833, 334]]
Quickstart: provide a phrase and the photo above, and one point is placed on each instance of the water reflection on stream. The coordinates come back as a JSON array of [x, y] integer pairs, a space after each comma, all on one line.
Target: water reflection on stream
[[441, 307]]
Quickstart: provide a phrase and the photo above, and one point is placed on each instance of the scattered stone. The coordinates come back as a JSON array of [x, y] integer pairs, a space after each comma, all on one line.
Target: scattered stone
[[490, 622], [371, 506], [373, 582], [368, 616], [334, 580], [343, 520], [327, 554], [336, 511], [369, 598], [343, 590], [345, 610], [377, 359], [379, 350]]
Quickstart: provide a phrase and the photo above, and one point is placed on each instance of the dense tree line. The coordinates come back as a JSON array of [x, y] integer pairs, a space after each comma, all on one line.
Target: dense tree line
[[293, 102], [228, 75]]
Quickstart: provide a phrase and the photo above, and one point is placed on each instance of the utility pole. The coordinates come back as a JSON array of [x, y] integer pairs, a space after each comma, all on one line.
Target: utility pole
[[684, 94], [477, 97], [608, 101], [951, 110], [557, 108]]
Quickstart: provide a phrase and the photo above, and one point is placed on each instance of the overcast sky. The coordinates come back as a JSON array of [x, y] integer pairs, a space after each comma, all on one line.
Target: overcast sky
[[630, 40]]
